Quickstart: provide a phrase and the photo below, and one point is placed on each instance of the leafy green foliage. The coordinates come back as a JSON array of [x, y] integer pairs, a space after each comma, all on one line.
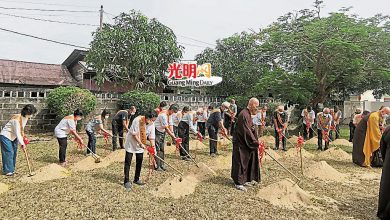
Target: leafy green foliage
[[134, 49], [65, 100], [143, 101]]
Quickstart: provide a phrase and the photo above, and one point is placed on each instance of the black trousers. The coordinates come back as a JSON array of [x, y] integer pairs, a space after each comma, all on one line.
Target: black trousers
[[91, 142], [352, 128], [307, 135], [117, 132], [320, 141], [160, 139], [176, 132], [138, 165], [63, 143], [213, 134], [184, 134], [202, 128], [277, 141]]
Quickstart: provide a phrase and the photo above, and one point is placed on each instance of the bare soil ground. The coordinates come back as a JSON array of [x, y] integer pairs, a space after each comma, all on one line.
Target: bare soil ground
[[98, 193]]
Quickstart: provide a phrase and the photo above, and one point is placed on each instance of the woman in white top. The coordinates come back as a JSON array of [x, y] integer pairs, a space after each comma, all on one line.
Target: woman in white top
[[201, 116], [186, 124], [12, 133], [67, 126]]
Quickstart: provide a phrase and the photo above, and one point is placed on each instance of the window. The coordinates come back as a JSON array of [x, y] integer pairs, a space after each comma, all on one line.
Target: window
[[21, 94], [7, 94], [1, 93], [34, 95], [14, 94], [41, 95]]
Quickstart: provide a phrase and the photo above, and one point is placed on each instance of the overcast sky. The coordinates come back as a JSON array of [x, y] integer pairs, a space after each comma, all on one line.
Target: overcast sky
[[203, 20]]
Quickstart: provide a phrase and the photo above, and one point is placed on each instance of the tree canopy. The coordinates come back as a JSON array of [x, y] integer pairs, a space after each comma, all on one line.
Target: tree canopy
[[304, 58], [133, 49]]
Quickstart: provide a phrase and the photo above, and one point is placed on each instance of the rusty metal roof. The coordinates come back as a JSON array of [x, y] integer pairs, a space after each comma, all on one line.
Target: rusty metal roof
[[28, 73]]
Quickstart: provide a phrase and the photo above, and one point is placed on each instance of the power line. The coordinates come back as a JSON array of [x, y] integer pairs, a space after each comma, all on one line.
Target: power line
[[197, 40], [53, 21], [44, 39], [191, 45], [39, 9], [42, 3]]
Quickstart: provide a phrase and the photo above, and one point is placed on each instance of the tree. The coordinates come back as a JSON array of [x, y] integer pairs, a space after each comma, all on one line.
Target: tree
[[134, 49], [337, 54]]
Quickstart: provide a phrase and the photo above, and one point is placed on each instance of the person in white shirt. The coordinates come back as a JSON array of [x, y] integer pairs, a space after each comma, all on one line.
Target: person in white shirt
[[140, 132], [174, 121], [201, 118], [308, 116], [186, 124], [67, 126], [162, 127], [259, 121], [11, 135]]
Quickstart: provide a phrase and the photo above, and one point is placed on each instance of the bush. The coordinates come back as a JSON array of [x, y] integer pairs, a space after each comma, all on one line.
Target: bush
[[65, 100], [143, 101]]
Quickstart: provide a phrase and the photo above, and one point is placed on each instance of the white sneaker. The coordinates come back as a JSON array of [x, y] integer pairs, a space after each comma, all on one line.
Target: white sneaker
[[241, 187], [251, 184]]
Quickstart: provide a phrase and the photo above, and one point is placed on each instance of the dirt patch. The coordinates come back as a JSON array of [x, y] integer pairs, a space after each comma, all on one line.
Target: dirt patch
[[197, 145], [116, 156], [3, 188], [221, 163], [223, 143], [170, 149], [335, 153], [286, 194], [341, 142], [273, 154], [50, 172], [293, 153], [369, 176], [203, 172], [313, 141], [323, 171]]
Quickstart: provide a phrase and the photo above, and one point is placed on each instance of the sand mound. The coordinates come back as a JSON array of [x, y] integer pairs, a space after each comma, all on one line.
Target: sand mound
[[89, 164], [323, 171], [50, 172], [197, 145], [3, 188], [173, 188], [369, 176], [293, 153], [293, 139], [335, 153], [313, 141], [116, 156], [223, 143], [170, 149], [222, 163], [342, 142], [268, 140], [273, 154], [285, 194]]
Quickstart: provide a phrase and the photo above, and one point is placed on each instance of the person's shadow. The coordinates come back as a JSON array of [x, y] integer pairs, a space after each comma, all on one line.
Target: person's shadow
[[48, 159]]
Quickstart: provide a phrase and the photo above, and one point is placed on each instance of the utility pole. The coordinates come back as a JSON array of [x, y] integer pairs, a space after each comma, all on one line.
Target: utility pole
[[101, 17]]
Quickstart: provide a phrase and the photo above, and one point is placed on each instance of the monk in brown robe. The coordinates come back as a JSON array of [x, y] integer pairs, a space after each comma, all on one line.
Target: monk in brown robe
[[245, 158], [367, 137], [384, 190]]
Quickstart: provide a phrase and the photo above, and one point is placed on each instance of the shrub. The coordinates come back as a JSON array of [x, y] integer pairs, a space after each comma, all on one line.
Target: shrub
[[143, 101], [64, 100]]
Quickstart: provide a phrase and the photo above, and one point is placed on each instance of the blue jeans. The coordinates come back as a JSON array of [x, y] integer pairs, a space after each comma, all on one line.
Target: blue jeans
[[91, 142], [8, 154]]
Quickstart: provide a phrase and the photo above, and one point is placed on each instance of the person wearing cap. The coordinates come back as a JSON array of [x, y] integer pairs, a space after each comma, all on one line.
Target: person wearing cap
[[214, 123]]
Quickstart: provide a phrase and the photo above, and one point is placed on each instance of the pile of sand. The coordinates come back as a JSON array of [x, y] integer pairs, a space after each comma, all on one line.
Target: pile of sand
[[50, 172], [89, 164], [293, 140], [335, 153], [286, 194], [221, 162], [197, 145], [223, 143], [170, 149], [116, 156], [323, 171], [369, 176], [293, 153], [173, 188], [3, 188], [268, 140], [313, 141], [342, 142], [272, 153]]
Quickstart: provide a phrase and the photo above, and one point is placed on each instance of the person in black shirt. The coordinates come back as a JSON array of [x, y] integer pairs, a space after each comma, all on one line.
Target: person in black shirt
[[120, 123], [214, 122], [280, 122]]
